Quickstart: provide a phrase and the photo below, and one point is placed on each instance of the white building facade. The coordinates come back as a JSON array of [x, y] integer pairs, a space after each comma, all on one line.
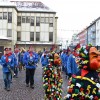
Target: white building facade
[[26, 23], [75, 40], [98, 32]]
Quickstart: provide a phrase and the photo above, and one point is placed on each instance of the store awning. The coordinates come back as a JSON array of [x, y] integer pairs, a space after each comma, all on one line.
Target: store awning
[[4, 38]]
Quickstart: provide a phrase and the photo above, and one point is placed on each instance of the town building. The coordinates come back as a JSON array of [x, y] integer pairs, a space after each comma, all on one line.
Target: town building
[[91, 34], [82, 36], [74, 40], [98, 32], [27, 23]]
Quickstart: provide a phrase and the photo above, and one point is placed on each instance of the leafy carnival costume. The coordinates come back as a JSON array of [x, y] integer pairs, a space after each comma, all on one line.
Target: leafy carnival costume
[[52, 80], [85, 84]]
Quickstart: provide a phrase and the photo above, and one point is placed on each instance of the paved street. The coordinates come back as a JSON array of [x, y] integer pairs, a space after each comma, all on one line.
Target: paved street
[[20, 92]]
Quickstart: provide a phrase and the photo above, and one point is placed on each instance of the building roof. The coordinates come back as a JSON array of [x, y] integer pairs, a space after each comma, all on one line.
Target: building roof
[[27, 6], [7, 4], [83, 31], [32, 6], [93, 22]]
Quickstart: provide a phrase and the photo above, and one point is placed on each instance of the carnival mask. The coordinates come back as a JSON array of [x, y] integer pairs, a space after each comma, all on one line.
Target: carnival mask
[[94, 56], [57, 60]]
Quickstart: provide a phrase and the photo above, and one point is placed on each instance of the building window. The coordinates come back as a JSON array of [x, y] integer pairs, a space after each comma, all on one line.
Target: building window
[[9, 33], [18, 36], [9, 17], [4, 15], [51, 22], [37, 36], [31, 36], [51, 36], [23, 19], [47, 20], [42, 19], [18, 20], [0, 15], [32, 20], [27, 19], [37, 21]]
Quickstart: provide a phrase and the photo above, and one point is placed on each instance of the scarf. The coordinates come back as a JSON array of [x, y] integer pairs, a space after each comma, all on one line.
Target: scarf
[[7, 55], [31, 54]]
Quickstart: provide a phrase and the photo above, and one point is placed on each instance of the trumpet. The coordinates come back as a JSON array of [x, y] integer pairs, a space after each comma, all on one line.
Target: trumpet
[[12, 72]]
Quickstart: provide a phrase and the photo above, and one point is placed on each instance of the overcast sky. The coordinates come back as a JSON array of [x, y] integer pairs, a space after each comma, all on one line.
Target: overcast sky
[[73, 15]]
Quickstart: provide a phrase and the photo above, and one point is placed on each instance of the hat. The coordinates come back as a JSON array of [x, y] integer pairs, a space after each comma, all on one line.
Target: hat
[[68, 50], [6, 49], [9, 49], [78, 46]]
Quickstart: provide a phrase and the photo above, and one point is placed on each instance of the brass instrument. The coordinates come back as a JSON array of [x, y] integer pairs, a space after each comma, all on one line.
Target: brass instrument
[[12, 72]]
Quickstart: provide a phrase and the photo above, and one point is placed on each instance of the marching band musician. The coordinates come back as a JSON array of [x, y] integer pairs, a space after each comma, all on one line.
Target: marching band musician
[[30, 60], [7, 62], [16, 59]]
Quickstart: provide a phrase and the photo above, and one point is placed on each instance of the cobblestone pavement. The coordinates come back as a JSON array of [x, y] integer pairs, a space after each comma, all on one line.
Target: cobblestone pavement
[[19, 91]]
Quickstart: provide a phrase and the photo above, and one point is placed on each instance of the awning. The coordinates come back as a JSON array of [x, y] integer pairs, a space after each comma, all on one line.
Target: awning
[[5, 38], [35, 43], [30, 43]]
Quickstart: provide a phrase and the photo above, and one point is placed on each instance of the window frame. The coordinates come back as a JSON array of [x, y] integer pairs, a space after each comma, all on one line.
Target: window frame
[[9, 33], [37, 21], [18, 37], [27, 19], [19, 22], [42, 19], [38, 37], [1, 15], [9, 17], [32, 22], [5, 17], [24, 17], [50, 19], [50, 24], [46, 19], [31, 39], [50, 40]]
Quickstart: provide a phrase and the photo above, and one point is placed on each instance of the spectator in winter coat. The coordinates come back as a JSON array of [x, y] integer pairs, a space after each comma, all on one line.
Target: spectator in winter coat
[[16, 54]]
